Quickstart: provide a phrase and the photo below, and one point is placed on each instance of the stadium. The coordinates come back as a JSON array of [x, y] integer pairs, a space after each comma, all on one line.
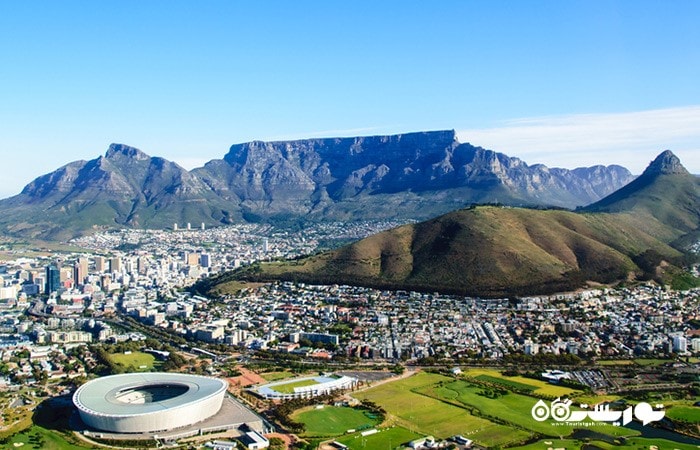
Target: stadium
[[305, 387], [148, 402]]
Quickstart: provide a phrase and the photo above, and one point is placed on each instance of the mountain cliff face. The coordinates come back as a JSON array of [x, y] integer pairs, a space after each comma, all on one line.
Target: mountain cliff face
[[412, 176], [429, 171]]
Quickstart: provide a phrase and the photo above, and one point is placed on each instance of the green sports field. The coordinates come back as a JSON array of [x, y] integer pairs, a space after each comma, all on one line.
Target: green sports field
[[288, 388], [333, 421], [136, 360], [389, 438], [429, 416]]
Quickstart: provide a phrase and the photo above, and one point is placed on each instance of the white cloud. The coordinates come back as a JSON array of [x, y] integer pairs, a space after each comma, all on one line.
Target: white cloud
[[629, 139]]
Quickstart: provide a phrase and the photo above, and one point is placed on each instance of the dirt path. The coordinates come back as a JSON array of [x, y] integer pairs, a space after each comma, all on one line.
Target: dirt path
[[246, 378]]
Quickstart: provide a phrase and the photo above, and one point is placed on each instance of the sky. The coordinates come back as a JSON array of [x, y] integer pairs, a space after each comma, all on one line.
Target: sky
[[563, 83]]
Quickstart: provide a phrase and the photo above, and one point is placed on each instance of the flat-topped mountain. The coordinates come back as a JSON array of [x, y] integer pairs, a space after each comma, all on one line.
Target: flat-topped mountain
[[412, 176], [499, 251], [416, 175]]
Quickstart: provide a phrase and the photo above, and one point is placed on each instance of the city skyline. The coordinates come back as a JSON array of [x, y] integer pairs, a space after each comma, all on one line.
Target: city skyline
[[567, 85]]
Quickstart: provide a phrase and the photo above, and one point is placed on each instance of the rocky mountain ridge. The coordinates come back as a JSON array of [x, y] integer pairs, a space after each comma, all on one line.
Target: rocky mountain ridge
[[411, 176]]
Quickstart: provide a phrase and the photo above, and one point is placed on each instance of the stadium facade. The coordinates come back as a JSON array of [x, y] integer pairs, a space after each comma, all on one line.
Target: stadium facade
[[323, 385], [148, 402]]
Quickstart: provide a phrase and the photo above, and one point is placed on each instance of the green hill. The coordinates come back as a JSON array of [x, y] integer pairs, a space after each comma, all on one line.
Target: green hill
[[635, 233]]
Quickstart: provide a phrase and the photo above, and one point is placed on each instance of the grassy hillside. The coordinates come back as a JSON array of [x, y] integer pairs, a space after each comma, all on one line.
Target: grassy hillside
[[487, 250]]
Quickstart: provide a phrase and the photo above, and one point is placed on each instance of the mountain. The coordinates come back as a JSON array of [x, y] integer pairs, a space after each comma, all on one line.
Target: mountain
[[500, 251], [125, 187], [412, 176], [666, 197]]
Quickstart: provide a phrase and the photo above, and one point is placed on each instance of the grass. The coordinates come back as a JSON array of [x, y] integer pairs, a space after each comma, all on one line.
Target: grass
[[512, 407], [431, 416], [507, 383], [541, 388], [635, 443], [614, 362], [288, 388], [276, 376], [37, 437], [651, 362], [136, 360], [333, 421], [689, 414], [389, 438]]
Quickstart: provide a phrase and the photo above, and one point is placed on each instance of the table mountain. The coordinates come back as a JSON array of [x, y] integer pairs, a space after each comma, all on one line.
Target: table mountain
[[411, 176], [414, 175]]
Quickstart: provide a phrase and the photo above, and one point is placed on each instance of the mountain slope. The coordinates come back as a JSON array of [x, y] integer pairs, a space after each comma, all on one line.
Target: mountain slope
[[125, 187], [495, 251], [666, 197]]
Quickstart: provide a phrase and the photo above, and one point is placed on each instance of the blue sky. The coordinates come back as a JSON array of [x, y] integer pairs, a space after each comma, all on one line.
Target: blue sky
[[563, 83]]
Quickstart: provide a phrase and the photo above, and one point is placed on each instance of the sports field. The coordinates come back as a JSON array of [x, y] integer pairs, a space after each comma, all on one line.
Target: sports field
[[288, 388], [427, 415], [137, 360], [333, 421], [389, 438]]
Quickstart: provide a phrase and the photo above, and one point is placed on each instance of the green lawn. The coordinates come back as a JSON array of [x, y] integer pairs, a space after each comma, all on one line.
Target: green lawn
[[288, 388], [431, 416], [652, 362], [541, 387], [510, 384], [40, 438], [135, 360], [276, 376], [389, 438], [614, 362], [333, 421], [685, 413], [511, 407], [635, 443]]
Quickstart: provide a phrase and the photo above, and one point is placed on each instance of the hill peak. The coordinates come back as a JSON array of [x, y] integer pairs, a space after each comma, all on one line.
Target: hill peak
[[665, 164], [121, 150]]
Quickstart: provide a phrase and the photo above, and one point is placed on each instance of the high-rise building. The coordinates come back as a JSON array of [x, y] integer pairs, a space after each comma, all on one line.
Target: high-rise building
[[115, 264], [53, 278], [100, 264], [205, 260], [680, 344], [80, 270]]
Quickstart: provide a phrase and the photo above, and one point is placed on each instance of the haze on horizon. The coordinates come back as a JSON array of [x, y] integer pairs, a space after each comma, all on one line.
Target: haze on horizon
[[565, 84]]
